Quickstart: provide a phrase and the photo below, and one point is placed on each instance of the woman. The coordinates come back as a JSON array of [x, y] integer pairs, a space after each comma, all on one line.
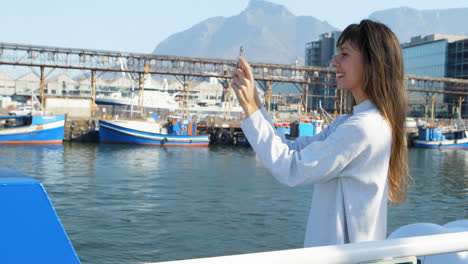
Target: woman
[[359, 161]]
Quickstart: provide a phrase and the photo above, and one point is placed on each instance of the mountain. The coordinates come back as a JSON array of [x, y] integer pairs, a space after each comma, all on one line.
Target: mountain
[[408, 22], [268, 32]]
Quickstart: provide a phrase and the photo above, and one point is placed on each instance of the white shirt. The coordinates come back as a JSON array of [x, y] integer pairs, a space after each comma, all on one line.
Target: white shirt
[[348, 163]]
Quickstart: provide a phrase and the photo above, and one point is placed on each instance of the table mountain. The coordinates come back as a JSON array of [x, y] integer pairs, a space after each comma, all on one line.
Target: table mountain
[[268, 32]]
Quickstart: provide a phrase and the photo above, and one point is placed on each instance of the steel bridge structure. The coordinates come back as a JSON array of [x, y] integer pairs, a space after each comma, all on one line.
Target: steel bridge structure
[[305, 78]]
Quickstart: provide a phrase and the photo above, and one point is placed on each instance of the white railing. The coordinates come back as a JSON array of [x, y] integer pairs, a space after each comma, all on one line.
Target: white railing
[[350, 253]]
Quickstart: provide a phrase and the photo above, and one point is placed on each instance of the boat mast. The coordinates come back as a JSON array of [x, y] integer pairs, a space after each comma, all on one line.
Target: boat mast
[[42, 90], [32, 97], [432, 110], [187, 98], [460, 100], [141, 91]]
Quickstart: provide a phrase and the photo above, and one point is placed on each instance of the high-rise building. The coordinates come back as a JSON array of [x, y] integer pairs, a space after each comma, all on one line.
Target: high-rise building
[[436, 55], [457, 62], [431, 55], [321, 53]]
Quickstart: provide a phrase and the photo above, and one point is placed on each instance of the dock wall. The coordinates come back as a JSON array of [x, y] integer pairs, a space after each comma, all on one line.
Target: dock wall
[[221, 133], [81, 130], [87, 130]]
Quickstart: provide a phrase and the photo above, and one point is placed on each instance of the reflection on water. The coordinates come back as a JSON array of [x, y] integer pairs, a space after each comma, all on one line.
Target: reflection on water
[[439, 192], [131, 204]]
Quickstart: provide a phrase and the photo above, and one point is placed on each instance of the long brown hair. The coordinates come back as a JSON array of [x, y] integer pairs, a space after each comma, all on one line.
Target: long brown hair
[[383, 83]]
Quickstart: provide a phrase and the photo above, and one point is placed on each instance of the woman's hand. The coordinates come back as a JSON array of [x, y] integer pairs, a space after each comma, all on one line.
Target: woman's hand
[[243, 84]]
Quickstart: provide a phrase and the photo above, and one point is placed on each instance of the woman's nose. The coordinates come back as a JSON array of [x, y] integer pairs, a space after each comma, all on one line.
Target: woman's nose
[[334, 62]]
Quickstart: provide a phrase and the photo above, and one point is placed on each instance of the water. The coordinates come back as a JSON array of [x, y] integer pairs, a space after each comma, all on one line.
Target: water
[[134, 204]]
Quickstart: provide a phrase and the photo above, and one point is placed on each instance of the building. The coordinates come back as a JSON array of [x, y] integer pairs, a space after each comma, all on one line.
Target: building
[[321, 53], [83, 84], [27, 82], [7, 84], [436, 55], [431, 55], [61, 84], [457, 62]]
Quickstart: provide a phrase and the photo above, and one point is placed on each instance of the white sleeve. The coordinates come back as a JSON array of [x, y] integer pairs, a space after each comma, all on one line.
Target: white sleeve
[[314, 162], [266, 116], [270, 121]]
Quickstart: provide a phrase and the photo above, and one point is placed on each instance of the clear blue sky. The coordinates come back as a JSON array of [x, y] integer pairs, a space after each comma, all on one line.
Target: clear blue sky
[[139, 25]]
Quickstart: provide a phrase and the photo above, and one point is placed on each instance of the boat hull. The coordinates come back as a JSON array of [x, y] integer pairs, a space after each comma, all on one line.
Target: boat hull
[[111, 132], [454, 144], [43, 130]]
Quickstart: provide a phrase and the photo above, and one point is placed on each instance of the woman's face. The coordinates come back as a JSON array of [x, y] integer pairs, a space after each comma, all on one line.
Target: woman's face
[[349, 68]]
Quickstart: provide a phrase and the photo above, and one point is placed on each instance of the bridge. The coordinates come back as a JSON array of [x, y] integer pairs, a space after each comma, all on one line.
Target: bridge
[[310, 81]]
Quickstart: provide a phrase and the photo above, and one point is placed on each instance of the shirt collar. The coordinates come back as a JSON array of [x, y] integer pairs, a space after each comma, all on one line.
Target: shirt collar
[[364, 106]]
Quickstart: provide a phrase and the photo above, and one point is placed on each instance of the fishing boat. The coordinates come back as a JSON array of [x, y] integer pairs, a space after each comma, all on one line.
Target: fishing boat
[[437, 137], [443, 137], [176, 132], [32, 129]]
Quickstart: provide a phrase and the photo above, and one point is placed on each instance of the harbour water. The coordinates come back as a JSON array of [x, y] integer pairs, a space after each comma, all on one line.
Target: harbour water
[[134, 204]]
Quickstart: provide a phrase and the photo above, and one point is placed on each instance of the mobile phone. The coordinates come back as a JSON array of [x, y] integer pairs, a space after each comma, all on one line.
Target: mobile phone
[[241, 53]]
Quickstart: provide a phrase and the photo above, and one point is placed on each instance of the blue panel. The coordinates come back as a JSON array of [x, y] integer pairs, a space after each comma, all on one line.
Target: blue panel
[[438, 134], [194, 129], [306, 129], [31, 230]]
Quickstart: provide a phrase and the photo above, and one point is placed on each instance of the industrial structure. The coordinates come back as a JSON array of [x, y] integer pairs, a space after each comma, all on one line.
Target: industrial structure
[[314, 84], [95, 62]]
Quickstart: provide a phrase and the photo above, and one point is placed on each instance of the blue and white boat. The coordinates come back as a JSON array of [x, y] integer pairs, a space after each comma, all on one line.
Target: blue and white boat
[[177, 133], [435, 137], [32, 129]]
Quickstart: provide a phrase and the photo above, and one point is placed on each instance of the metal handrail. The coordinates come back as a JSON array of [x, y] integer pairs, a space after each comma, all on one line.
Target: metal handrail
[[350, 253]]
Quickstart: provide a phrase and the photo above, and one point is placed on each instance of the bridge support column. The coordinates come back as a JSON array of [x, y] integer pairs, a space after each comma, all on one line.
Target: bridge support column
[[93, 91], [269, 97]]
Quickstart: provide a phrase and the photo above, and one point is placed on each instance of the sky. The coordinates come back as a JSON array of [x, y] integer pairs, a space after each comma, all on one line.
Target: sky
[[139, 25]]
